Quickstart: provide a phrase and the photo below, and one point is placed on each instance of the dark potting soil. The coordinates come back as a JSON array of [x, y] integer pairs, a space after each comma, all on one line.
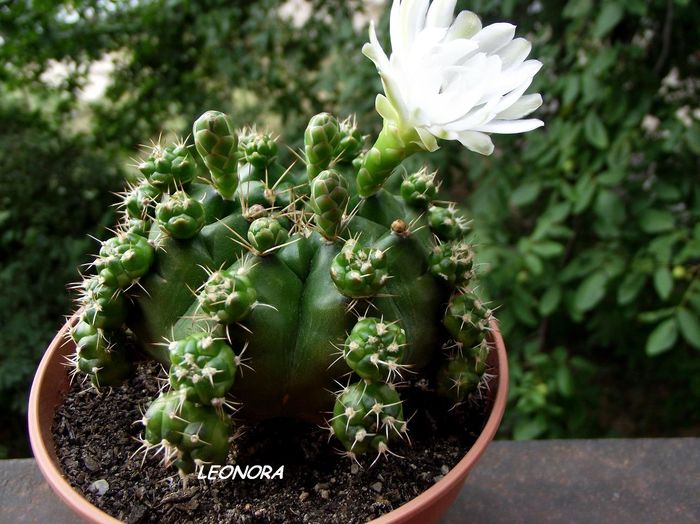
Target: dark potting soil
[[95, 437]]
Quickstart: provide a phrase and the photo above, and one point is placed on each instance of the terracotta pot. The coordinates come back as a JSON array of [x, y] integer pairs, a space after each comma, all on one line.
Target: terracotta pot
[[51, 383]]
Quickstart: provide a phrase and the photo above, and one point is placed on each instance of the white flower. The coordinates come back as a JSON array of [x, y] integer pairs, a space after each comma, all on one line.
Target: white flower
[[450, 78]]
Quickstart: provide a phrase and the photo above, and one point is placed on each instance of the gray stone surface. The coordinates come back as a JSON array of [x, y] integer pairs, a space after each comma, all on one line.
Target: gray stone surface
[[25, 496], [601, 481], [582, 481]]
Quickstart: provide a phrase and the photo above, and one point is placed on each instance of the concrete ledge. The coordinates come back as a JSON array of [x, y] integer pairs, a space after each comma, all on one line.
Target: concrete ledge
[[616, 481]]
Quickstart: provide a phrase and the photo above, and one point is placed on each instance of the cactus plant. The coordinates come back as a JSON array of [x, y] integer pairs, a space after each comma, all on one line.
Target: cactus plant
[[342, 270], [318, 285]]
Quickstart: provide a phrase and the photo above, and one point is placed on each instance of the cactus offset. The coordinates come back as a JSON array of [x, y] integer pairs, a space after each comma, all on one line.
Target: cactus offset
[[292, 265]]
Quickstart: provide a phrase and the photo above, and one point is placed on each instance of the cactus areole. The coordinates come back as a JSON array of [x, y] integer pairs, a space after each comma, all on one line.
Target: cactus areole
[[311, 290]]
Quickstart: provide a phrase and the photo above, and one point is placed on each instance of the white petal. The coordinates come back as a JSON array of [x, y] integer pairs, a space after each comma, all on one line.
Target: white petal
[[454, 52], [513, 78], [515, 52], [466, 25], [397, 41], [477, 142], [373, 50], [428, 141], [412, 19], [392, 89], [441, 13], [385, 109], [507, 127], [523, 107], [511, 98], [495, 36]]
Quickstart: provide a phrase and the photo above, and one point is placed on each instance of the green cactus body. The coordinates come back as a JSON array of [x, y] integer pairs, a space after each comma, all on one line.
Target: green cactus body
[[283, 286]]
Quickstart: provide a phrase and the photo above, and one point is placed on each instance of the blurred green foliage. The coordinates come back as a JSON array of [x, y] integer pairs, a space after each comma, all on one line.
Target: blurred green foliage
[[54, 186], [587, 230]]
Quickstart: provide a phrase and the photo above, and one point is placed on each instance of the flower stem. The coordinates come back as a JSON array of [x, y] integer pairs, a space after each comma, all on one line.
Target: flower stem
[[390, 149]]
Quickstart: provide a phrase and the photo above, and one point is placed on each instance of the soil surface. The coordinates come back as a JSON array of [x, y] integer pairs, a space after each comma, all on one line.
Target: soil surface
[[95, 436]]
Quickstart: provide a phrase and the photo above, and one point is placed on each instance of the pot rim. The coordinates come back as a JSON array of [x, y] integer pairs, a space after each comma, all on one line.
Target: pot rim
[[44, 454]]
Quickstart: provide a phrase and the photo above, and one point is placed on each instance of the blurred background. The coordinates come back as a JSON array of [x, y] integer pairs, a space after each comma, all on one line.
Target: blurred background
[[588, 229]]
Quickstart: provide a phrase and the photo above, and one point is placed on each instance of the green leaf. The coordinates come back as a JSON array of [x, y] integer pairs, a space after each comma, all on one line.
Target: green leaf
[[690, 326], [577, 8], [608, 18], [663, 282], [571, 89], [662, 338], [564, 381], [525, 193], [591, 291], [595, 131], [656, 221], [630, 287], [550, 300], [529, 429], [533, 263], [585, 188], [547, 249], [652, 317]]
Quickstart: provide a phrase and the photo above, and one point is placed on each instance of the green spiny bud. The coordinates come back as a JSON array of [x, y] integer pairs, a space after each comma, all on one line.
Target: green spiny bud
[[96, 357], [359, 272], [447, 223], [169, 167], [123, 259], [453, 262], [374, 349], [419, 189], [259, 150], [205, 367], [458, 378], [227, 296], [137, 226], [194, 433], [217, 143], [468, 319], [104, 307], [351, 141], [367, 416], [329, 200], [138, 201], [180, 216], [266, 233], [321, 140]]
